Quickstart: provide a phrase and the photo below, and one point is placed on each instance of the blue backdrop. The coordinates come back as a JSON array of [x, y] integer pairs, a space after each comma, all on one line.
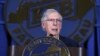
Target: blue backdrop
[[92, 44]]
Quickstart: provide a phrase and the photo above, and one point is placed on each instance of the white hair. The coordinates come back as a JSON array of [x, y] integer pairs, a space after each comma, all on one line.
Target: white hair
[[47, 12]]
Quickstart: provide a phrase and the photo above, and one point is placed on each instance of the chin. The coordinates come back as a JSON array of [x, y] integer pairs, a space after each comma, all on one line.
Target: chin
[[54, 34]]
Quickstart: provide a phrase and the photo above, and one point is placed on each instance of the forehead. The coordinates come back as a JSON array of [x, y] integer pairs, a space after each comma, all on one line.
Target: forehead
[[54, 15]]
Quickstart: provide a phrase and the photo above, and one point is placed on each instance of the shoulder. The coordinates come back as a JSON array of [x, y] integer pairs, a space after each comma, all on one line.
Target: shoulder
[[69, 42]]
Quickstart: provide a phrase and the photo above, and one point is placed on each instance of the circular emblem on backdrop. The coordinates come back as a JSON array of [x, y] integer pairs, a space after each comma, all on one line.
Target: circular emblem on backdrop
[[46, 46], [23, 23], [23, 18]]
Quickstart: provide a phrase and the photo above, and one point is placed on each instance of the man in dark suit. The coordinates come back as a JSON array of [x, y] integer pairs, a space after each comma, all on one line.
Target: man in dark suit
[[51, 22]]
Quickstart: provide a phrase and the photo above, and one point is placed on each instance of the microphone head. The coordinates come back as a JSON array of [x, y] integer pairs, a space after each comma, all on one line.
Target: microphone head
[[51, 35]]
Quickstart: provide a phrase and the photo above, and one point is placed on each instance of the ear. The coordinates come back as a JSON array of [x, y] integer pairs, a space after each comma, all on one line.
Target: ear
[[43, 25], [60, 26]]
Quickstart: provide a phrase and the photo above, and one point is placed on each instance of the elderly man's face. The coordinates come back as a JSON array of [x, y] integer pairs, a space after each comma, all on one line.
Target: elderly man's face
[[53, 24]]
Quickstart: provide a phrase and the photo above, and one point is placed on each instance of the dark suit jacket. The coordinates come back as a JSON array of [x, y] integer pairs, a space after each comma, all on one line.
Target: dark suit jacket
[[68, 42]]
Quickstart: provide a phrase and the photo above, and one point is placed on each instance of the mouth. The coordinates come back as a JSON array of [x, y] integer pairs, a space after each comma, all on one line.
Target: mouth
[[55, 30]]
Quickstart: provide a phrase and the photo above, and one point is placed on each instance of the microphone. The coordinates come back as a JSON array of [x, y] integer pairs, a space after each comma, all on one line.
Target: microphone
[[51, 35]]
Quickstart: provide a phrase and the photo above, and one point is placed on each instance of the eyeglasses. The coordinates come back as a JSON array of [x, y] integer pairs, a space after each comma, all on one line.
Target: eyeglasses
[[54, 20]]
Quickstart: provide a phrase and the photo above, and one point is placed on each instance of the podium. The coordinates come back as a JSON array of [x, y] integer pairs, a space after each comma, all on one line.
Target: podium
[[17, 50]]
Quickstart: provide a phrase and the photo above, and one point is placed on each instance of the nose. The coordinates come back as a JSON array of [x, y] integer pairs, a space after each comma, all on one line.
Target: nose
[[55, 23]]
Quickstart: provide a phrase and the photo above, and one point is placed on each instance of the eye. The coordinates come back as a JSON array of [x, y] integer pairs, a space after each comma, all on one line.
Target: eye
[[58, 20], [50, 20]]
